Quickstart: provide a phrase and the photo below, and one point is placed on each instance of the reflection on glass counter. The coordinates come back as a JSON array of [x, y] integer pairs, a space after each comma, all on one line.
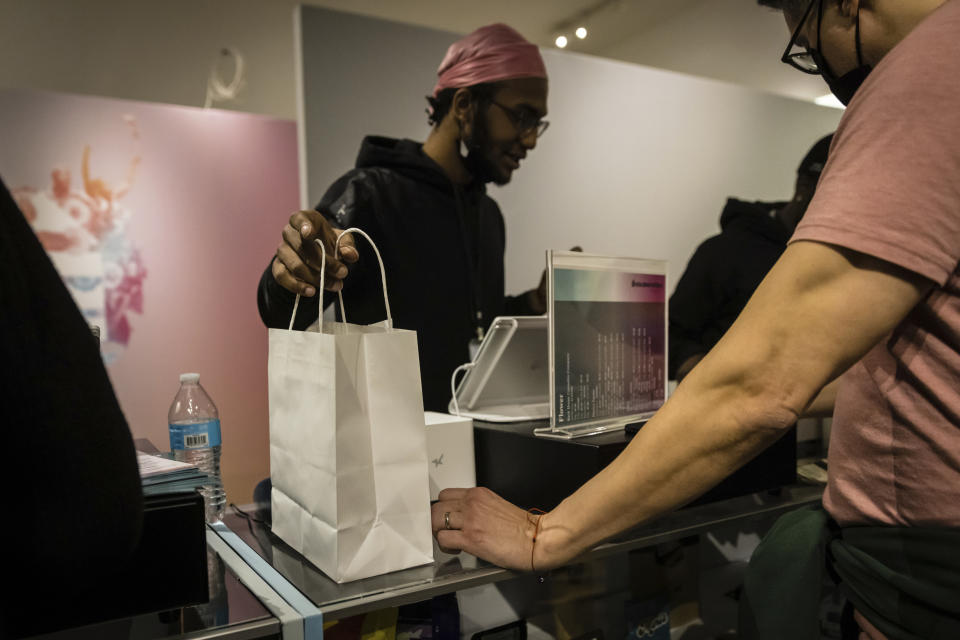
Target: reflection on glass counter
[[231, 610], [451, 573]]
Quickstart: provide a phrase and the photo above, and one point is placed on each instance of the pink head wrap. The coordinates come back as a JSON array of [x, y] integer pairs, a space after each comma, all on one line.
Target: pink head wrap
[[491, 53]]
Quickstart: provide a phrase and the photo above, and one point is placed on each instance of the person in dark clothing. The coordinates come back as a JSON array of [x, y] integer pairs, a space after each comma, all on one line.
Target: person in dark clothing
[[441, 236], [726, 268], [74, 504]]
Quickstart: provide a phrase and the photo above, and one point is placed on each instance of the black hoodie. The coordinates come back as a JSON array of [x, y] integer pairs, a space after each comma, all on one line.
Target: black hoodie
[[722, 275], [442, 246], [72, 491]]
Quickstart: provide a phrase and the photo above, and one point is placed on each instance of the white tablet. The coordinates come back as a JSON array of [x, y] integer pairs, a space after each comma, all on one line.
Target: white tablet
[[508, 379]]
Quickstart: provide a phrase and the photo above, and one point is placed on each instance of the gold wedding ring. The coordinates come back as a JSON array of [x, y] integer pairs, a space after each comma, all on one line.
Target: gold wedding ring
[[446, 520]]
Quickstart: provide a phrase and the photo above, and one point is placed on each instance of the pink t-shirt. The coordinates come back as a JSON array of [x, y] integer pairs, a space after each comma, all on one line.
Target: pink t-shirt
[[891, 189]]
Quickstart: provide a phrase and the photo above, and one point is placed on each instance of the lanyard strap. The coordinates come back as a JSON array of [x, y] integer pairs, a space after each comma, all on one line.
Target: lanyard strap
[[474, 271]]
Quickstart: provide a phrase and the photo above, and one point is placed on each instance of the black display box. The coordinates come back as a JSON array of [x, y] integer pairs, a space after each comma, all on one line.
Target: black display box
[[532, 471], [167, 571], [169, 568]]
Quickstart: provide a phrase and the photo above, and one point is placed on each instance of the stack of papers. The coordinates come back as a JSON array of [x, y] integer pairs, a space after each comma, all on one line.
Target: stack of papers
[[162, 474]]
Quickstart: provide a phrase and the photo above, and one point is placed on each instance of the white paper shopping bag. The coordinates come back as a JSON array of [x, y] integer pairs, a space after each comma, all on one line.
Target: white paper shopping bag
[[348, 457]]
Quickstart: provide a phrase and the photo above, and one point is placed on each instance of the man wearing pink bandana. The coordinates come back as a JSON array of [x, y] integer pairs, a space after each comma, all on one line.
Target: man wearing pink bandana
[[441, 236]]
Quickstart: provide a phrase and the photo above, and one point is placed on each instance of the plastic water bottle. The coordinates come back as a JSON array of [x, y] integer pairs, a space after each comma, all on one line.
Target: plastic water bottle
[[195, 438]]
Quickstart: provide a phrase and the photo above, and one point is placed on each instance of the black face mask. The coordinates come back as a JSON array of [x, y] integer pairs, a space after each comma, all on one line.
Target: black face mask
[[846, 85]]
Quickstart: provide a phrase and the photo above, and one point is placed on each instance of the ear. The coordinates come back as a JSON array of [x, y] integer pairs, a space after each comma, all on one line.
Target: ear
[[849, 9], [462, 106]]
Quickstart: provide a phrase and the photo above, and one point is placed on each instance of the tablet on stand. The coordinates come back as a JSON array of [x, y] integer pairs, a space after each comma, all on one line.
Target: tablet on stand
[[507, 381]]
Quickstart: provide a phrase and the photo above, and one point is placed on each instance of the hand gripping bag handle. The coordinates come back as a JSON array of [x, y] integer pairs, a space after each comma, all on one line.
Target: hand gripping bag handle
[[296, 303]]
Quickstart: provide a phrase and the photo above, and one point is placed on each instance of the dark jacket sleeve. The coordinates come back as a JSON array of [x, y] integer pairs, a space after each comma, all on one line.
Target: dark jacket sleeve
[[518, 305], [276, 304], [693, 305], [343, 205], [72, 492]]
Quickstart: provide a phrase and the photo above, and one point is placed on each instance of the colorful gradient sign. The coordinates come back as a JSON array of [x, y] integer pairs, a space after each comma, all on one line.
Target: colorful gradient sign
[[609, 340]]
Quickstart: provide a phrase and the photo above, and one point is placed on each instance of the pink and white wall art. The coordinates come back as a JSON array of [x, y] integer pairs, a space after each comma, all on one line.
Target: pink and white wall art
[[160, 220]]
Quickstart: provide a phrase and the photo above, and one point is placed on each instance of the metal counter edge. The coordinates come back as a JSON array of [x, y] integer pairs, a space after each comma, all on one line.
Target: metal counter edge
[[300, 619]]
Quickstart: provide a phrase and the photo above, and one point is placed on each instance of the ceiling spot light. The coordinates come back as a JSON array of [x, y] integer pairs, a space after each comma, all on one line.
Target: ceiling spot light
[[581, 32], [561, 41]]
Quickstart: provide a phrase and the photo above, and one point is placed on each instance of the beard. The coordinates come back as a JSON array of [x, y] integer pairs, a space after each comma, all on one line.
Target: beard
[[479, 148]]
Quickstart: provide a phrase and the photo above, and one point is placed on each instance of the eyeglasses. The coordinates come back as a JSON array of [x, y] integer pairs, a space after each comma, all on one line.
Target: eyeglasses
[[524, 120], [803, 60]]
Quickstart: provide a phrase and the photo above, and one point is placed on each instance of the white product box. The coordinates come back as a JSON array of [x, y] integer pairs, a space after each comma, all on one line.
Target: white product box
[[450, 452]]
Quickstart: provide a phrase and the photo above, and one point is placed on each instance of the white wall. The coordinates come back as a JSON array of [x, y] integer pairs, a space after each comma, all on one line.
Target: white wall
[[162, 50], [637, 161], [151, 50], [730, 40], [361, 76]]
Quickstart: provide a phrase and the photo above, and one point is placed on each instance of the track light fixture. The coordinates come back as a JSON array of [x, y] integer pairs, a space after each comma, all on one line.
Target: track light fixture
[[576, 25]]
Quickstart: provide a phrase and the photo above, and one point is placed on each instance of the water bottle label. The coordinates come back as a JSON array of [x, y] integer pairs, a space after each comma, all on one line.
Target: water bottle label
[[195, 436]]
